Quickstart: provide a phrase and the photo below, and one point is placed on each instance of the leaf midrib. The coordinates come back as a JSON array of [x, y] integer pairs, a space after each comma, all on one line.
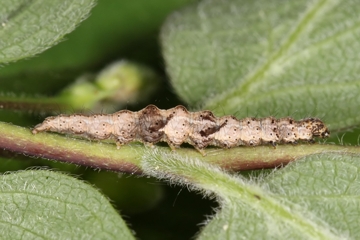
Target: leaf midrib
[[268, 204], [257, 74], [339, 196]]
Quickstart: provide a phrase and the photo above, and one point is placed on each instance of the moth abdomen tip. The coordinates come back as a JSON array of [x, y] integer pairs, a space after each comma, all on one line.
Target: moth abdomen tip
[[37, 129], [176, 126]]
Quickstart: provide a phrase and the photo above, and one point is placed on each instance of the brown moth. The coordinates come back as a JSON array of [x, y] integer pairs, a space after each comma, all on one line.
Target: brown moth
[[177, 125]]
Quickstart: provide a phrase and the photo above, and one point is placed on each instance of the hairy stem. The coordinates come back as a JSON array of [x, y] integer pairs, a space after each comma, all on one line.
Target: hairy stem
[[104, 155], [233, 190]]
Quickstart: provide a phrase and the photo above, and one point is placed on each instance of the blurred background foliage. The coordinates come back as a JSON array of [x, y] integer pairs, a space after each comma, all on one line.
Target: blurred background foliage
[[115, 30]]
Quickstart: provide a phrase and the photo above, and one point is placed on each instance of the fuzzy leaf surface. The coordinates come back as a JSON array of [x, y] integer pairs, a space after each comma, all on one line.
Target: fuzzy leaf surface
[[320, 191], [313, 198], [28, 27], [327, 184], [260, 58], [48, 205]]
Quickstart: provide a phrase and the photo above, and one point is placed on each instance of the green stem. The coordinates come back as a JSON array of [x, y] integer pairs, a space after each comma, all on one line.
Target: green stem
[[38, 104], [232, 190], [104, 155]]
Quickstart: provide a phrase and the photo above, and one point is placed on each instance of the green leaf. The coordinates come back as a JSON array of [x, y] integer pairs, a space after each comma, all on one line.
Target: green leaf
[[30, 27], [314, 198], [50, 205], [108, 33], [264, 57], [327, 185]]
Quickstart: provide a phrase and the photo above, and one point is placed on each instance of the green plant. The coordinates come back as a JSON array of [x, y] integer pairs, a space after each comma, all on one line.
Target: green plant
[[245, 58]]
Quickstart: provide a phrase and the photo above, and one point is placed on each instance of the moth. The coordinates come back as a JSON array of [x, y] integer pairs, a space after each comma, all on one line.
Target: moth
[[177, 126]]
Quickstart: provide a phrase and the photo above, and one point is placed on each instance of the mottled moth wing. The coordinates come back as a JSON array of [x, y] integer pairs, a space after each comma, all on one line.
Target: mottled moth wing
[[177, 125]]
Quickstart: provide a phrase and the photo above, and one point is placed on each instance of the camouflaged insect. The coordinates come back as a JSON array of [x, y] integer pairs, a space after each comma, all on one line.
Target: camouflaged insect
[[177, 125]]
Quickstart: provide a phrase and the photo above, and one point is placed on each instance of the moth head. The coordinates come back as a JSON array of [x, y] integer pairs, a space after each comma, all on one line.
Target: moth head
[[318, 128]]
